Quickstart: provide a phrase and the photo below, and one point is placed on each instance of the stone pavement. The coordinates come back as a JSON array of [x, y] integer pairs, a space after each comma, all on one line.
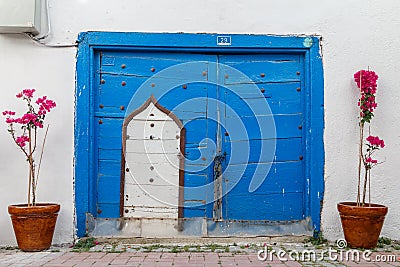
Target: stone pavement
[[117, 253]]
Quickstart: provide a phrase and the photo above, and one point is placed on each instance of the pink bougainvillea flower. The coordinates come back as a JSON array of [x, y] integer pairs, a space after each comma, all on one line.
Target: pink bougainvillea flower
[[375, 141], [19, 95], [371, 160], [28, 92], [8, 112], [21, 140], [45, 105]]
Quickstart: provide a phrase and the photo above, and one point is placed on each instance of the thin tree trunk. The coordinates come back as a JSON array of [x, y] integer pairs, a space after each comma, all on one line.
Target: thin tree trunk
[[30, 168], [360, 155], [365, 187]]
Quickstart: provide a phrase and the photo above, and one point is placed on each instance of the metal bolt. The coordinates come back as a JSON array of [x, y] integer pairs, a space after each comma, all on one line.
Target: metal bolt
[[298, 73], [177, 136], [300, 127], [184, 86], [226, 76], [301, 157], [298, 89], [152, 69], [100, 122], [152, 125], [123, 66], [126, 211], [103, 81], [262, 90], [151, 180], [152, 85], [121, 107], [203, 159], [262, 75], [226, 134], [151, 168], [99, 211], [204, 73], [127, 169], [101, 106], [123, 83]]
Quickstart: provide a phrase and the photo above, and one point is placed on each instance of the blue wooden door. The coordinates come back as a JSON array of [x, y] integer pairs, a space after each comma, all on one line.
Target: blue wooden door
[[180, 83], [243, 114], [263, 172]]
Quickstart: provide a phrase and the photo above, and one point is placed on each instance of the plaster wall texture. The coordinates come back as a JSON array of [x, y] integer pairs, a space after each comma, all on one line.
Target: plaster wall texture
[[356, 34]]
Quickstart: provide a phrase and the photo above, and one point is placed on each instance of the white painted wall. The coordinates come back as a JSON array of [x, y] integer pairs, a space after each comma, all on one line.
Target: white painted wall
[[356, 34]]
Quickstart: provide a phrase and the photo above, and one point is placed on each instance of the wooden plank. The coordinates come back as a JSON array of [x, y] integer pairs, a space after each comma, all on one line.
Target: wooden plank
[[282, 207], [281, 177], [286, 126], [107, 210], [154, 129], [108, 188], [260, 105], [157, 169], [144, 64], [150, 195], [150, 212], [109, 154], [258, 151], [260, 68]]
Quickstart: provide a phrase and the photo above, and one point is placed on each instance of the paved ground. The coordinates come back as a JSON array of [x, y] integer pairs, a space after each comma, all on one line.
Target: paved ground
[[92, 253]]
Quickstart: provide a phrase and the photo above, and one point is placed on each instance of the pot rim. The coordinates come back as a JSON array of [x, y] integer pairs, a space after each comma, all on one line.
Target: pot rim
[[41, 208], [367, 205]]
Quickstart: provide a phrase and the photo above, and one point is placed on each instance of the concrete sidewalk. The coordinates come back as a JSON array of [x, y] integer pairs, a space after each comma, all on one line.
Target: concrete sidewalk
[[218, 255]]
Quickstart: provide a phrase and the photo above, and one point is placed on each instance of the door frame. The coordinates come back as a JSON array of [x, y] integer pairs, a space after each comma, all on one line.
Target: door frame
[[90, 42]]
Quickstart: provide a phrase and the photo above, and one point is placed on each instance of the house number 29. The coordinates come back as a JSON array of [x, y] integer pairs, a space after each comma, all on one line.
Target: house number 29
[[224, 40]]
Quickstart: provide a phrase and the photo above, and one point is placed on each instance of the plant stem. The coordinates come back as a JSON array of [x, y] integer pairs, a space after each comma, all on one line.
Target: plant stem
[[41, 155], [360, 155], [365, 186], [30, 167]]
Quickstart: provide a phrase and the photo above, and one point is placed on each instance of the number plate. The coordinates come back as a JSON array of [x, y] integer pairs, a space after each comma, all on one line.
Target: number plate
[[224, 40]]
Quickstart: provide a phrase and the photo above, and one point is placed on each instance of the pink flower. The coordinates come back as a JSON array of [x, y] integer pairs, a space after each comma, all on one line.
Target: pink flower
[[19, 95], [375, 141], [10, 120], [28, 118], [21, 140], [28, 92], [366, 80], [8, 112], [45, 105], [370, 160]]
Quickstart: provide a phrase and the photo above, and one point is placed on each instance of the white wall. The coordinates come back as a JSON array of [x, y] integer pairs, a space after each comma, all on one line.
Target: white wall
[[356, 34]]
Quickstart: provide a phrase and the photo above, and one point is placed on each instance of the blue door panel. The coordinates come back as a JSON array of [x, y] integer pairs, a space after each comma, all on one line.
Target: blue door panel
[[283, 177], [109, 154], [286, 149], [261, 68], [274, 207], [142, 64], [287, 126], [268, 105]]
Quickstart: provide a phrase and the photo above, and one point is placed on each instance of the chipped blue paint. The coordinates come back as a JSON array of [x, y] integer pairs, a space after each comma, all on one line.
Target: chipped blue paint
[[86, 189]]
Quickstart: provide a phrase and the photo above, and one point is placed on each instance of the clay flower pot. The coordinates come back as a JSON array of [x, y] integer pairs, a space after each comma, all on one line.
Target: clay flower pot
[[34, 225], [361, 225]]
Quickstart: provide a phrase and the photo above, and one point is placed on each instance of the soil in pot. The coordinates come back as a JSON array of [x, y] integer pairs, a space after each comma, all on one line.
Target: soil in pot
[[361, 224], [34, 225]]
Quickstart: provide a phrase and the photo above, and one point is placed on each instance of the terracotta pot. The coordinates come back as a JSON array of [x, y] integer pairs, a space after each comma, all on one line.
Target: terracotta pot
[[34, 225], [361, 225]]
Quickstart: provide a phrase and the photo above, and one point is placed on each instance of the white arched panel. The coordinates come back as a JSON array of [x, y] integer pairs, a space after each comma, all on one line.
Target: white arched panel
[[151, 137]]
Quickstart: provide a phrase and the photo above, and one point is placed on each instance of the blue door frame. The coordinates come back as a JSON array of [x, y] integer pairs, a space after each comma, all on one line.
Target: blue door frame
[[90, 42]]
